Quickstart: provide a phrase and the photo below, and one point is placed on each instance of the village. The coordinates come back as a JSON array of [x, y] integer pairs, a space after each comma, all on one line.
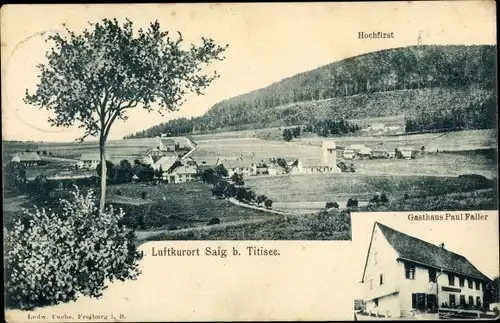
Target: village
[[174, 160]]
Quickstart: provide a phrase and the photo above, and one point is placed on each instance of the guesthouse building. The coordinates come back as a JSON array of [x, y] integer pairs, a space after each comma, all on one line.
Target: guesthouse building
[[405, 276]]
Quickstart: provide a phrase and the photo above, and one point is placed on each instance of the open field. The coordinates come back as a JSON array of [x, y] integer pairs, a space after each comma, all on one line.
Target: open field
[[450, 141], [73, 150], [254, 147], [309, 193], [481, 162]]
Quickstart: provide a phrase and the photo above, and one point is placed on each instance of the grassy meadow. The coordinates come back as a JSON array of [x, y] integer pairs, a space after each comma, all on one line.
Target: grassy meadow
[[309, 193], [450, 141], [481, 162], [173, 207]]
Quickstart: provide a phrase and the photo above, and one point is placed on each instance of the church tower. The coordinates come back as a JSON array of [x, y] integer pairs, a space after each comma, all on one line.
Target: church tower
[[330, 155]]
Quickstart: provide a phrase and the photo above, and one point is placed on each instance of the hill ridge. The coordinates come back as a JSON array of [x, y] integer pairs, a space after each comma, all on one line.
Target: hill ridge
[[424, 67]]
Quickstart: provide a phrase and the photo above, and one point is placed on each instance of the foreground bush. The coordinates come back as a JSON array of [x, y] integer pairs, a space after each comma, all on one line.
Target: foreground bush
[[54, 257], [325, 224]]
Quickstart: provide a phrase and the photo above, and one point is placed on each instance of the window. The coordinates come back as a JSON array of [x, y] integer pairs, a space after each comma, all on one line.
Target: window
[[471, 300], [381, 279], [462, 300], [418, 301], [451, 279], [470, 283], [478, 301], [452, 299], [375, 258], [432, 275], [409, 271], [477, 285], [371, 284], [461, 281]]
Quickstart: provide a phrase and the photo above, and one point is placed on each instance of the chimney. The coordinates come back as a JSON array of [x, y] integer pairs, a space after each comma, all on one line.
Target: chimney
[[442, 245]]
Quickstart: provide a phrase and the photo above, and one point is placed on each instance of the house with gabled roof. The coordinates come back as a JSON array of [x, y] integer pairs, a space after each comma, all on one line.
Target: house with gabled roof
[[30, 158], [240, 165], [406, 152], [312, 165], [89, 160], [166, 163], [181, 174], [204, 163], [357, 150], [404, 276]]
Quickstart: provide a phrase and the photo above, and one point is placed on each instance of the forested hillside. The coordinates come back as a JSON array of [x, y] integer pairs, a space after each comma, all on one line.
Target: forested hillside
[[456, 78]]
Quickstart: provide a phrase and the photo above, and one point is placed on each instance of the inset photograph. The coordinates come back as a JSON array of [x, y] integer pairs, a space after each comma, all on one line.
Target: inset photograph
[[441, 269]]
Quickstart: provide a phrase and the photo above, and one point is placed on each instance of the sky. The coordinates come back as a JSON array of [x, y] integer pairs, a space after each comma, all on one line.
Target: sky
[[482, 250], [267, 42]]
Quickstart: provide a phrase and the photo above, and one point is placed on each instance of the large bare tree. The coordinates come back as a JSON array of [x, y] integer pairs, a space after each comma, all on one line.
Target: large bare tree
[[91, 79]]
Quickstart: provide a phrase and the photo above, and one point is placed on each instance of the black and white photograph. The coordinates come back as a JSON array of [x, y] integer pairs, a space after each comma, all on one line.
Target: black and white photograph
[[135, 135], [411, 268]]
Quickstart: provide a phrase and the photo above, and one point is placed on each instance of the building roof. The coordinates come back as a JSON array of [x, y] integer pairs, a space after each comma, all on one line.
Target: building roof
[[28, 156], [185, 170], [405, 148], [168, 142], [428, 254], [90, 157], [349, 151], [166, 162], [238, 163], [356, 147], [275, 166], [359, 148], [206, 161], [313, 162]]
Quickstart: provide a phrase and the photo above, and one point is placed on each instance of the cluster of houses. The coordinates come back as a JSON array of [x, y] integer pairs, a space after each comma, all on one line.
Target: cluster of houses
[[178, 163], [361, 151], [177, 168]]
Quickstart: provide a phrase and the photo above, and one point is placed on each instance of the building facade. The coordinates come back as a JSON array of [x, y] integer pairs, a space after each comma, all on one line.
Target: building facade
[[405, 276], [181, 174], [89, 160]]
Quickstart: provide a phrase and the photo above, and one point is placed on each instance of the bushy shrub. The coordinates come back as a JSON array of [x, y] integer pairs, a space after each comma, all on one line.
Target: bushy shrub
[[54, 257], [14, 178], [330, 205], [324, 225], [213, 221], [352, 202]]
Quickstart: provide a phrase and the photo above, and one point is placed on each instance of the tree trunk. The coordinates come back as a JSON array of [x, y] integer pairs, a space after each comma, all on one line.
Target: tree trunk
[[103, 175]]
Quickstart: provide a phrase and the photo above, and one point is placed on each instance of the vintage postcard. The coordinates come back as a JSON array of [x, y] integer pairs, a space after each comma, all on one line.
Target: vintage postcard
[[263, 161]]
